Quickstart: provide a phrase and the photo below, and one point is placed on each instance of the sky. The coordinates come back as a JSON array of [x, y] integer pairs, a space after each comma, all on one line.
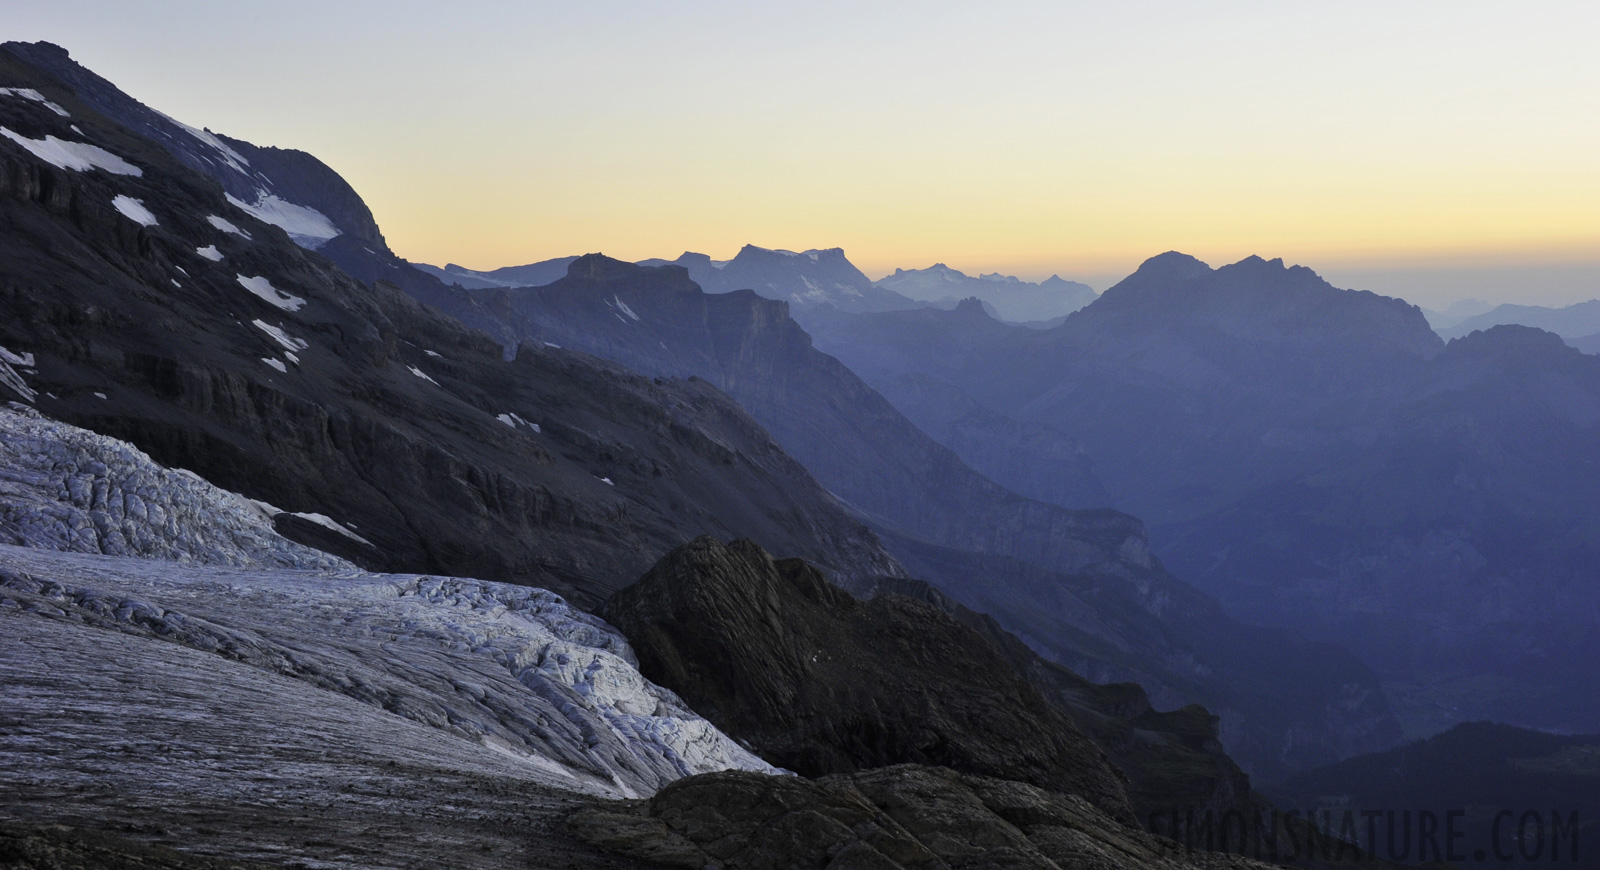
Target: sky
[[1429, 150]]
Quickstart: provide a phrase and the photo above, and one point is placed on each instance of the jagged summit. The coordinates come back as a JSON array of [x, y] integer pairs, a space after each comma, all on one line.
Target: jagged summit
[[818, 278]]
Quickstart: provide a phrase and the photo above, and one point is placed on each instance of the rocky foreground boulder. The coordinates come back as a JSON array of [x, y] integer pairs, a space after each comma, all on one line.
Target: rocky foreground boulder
[[906, 816], [820, 683]]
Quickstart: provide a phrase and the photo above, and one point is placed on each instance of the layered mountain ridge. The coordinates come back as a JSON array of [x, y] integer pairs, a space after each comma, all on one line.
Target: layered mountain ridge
[[1010, 298], [1316, 457], [1078, 585]]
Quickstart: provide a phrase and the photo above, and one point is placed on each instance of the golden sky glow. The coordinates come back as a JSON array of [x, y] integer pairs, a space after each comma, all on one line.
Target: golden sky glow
[[1027, 138]]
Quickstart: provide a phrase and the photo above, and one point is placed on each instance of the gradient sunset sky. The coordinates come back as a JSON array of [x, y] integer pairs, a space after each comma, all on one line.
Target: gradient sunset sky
[[1428, 150]]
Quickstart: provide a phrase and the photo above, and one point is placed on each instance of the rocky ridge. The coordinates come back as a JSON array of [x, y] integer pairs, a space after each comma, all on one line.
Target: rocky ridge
[[820, 683], [906, 816]]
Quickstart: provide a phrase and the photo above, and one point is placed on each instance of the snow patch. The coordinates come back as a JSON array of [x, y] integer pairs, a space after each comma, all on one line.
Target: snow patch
[[422, 374], [100, 396], [263, 288], [210, 252], [134, 210], [514, 421], [288, 341], [31, 94], [226, 226], [432, 354], [10, 377], [277, 364], [328, 522], [76, 156], [621, 306], [308, 227], [228, 155], [607, 481]]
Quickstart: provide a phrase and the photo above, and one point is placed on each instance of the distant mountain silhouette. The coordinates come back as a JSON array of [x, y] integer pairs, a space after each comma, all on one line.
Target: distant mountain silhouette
[[1011, 298], [1573, 322], [531, 275], [1076, 584], [1319, 459], [1478, 769], [807, 279]]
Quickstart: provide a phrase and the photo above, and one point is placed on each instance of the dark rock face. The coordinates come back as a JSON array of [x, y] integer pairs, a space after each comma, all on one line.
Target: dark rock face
[[820, 683], [906, 816], [55, 847], [320, 395]]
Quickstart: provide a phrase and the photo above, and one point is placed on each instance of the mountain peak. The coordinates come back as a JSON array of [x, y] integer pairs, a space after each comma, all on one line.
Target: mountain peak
[[1172, 265], [972, 306]]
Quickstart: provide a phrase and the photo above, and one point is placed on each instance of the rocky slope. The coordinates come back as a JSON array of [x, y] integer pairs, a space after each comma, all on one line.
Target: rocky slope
[[153, 309], [820, 683], [906, 675], [897, 817]]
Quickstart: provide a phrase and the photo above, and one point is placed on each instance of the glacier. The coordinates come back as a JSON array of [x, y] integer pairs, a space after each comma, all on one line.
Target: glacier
[[166, 655]]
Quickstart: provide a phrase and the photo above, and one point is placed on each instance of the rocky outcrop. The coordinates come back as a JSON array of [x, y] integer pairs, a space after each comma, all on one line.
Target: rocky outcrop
[[818, 682], [907, 816]]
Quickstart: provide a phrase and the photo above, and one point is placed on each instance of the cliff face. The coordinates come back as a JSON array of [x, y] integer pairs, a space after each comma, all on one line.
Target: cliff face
[[820, 683], [154, 309]]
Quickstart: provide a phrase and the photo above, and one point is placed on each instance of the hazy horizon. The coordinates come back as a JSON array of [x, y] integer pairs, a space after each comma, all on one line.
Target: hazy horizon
[[1435, 152]]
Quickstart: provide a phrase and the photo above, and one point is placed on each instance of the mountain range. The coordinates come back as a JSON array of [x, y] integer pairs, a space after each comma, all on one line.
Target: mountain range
[[1317, 458], [1578, 324], [823, 279], [257, 463], [1011, 298]]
